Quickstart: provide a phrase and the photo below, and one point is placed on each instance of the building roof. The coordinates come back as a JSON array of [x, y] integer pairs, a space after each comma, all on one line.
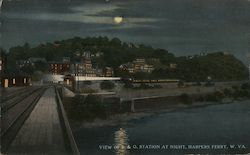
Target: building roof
[[14, 73]]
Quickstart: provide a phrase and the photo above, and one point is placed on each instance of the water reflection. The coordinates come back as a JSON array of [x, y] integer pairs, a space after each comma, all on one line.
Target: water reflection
[[121, 142]]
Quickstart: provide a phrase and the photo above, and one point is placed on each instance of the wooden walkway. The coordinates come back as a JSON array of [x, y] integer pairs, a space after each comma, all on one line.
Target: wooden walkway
[[42, 132]]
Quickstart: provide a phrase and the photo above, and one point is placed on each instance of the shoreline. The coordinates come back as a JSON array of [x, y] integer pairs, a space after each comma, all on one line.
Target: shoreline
[[124, 118]]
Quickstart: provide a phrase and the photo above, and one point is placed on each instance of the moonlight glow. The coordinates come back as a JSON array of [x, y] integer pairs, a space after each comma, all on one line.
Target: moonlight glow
[[118, 20]]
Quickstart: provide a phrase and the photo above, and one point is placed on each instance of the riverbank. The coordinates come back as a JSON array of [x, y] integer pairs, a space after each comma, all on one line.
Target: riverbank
[[97, 110], [123, 119]]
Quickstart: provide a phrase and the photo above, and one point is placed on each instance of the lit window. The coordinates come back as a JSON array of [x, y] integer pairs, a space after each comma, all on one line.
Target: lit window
[[6, 83], [14, 81]]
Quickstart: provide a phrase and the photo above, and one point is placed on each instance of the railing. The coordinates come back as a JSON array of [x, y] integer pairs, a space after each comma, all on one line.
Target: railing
[[65, 121]]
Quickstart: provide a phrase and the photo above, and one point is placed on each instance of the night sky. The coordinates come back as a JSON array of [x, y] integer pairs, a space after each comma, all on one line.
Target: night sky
[[183, 27]]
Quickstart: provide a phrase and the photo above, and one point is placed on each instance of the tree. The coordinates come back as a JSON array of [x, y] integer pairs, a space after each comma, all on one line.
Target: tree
[[116, 42], [41, 66], [219, 66], [108, 85]]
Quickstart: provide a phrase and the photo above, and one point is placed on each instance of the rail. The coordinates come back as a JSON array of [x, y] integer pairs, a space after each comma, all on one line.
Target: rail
[[9, 132], [66, 124], [6, 105], [6, 96]]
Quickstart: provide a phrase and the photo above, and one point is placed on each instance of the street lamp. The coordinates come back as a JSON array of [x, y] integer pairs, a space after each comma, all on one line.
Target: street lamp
[[77, 76]]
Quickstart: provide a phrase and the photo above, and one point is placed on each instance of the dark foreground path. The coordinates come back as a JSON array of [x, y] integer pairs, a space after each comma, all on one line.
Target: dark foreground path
[[42, 132]]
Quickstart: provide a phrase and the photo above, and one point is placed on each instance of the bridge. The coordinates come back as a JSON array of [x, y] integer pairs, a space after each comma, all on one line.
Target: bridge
[[33, 121]]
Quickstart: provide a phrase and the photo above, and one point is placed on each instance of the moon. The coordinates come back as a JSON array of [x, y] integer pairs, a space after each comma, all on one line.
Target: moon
[[118, 19]]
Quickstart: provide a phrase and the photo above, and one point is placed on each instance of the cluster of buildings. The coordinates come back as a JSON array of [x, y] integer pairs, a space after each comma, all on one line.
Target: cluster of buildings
[[143, 65], [69, 69], [15, 77], [92, 55], [29, 62], [66, 67], [139, 65], [82, 68]]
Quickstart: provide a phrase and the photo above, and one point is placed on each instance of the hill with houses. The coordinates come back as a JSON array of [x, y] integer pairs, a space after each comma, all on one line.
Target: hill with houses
[[96, 54]]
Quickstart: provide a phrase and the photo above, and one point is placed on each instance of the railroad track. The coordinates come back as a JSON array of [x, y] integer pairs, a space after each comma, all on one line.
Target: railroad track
[[16, 98], [8, 95], [15, 111]]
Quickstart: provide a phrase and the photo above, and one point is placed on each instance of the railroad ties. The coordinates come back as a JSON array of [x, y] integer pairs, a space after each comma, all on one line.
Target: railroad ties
[[33, 123]]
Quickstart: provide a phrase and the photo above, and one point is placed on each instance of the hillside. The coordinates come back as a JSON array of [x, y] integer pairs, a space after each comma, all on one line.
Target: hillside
[[219, 65]]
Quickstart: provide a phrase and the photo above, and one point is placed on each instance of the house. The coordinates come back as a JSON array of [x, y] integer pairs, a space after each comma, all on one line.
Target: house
[[99, 54], [34, 60], [59, 68], [85, 68], [86, 61], [77, 53], [66, 59], [129, 67], [29, 62], [172, 65], [86, 54], [108, 72], [15, 79], [147, 68], [23, 63], [138, 63], [90, 73]]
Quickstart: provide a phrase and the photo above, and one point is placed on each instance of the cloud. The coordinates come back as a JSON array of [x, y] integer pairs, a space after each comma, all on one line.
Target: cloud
[[87, 14], [95, 9], [1, 2], [78, 17]]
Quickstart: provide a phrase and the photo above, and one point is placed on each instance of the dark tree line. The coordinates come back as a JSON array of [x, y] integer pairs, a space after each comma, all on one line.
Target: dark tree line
[[217, 65]]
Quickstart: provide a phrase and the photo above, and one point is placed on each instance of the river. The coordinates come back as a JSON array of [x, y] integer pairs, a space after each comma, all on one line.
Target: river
[[211, 129]]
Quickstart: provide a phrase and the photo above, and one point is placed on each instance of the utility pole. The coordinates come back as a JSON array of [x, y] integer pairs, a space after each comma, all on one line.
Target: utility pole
[[78, 87], [77, 76], [249, 71]]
